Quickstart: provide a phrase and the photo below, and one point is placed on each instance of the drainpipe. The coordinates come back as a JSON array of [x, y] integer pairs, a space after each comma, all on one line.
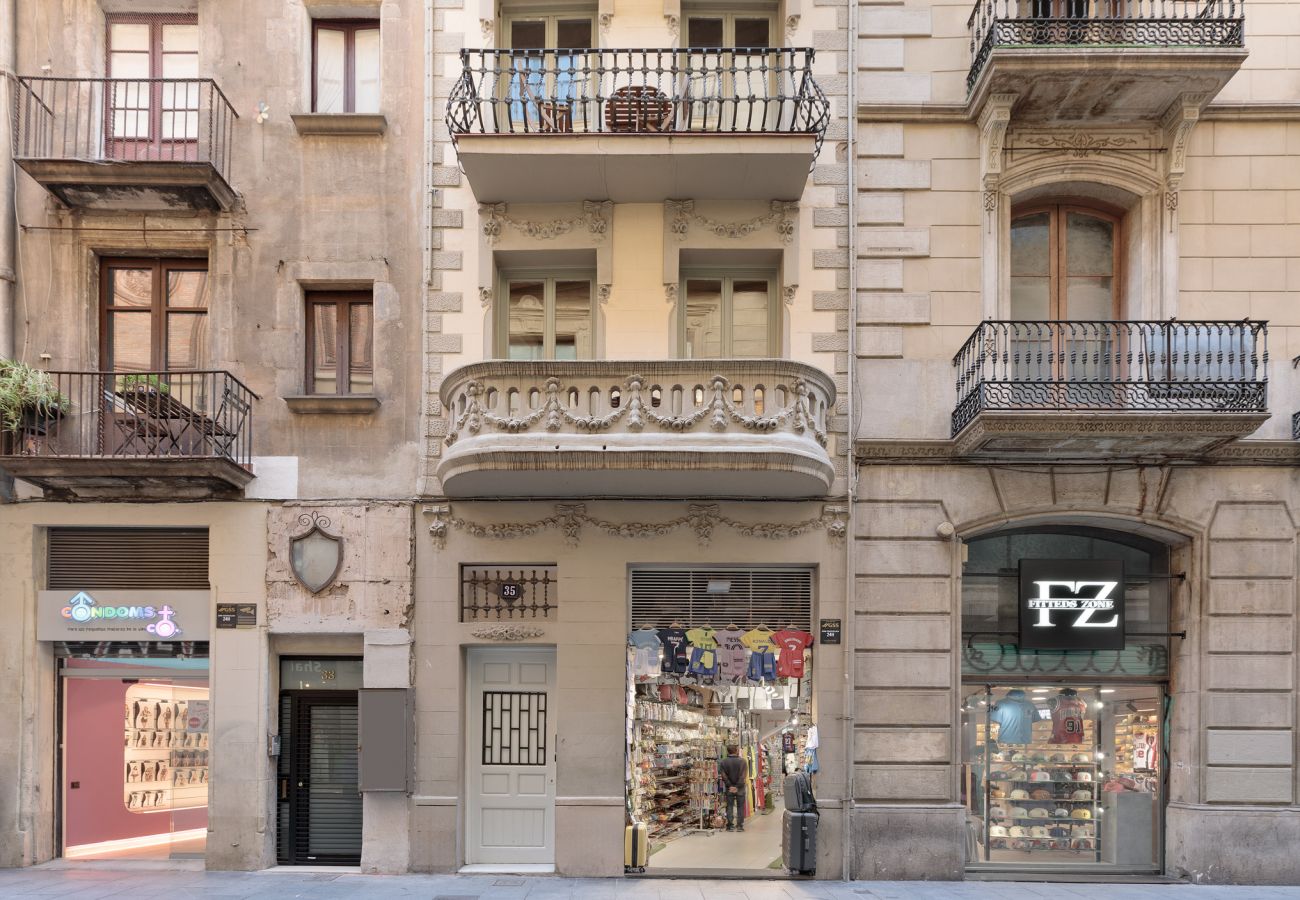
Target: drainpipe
[[850, 399], [8, 174]]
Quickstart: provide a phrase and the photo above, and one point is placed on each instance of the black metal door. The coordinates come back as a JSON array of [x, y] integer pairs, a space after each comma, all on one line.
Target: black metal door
[[319, 809]]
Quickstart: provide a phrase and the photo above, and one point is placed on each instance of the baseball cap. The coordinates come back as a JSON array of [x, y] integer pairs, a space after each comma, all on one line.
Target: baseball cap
[[1083, 776], [1038, 813], [1081, 814], [997, 831], [1020, 794], [1081, 794]]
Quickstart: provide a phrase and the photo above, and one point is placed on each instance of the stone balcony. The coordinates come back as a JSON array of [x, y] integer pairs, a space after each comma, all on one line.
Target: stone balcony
[[637, 125], [1109, 389], [642, 428], [1102, 61]]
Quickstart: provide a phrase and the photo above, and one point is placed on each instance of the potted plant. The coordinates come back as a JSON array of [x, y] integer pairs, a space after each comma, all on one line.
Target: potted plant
[[29, 401], [141, 381]]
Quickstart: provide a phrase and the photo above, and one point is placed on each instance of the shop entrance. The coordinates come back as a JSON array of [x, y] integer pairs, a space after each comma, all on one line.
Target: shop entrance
[[720, 666], [510, 757], [319, 804], [133, 750], [1065, 701]]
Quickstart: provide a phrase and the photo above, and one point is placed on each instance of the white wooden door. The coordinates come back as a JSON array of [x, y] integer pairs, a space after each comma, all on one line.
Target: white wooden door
[[510, 814]]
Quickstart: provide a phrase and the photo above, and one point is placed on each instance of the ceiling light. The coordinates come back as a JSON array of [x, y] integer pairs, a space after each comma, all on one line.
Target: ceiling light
[[718, 587]]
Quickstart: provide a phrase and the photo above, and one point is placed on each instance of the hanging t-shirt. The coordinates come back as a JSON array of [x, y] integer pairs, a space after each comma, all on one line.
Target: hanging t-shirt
[[704, 652], [731, 654], [675, 658], [645, 652], [1067, 720], [792, 643], [1015, 716], [760, 640]]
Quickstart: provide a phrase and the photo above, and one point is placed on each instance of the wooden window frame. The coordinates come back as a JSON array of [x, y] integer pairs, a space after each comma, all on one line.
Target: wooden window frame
[[1058, 262], [349, 27], [155, 21], [343, 302], [729, 15], [728, 277], [549, 277], [158, 308], [551, 16]]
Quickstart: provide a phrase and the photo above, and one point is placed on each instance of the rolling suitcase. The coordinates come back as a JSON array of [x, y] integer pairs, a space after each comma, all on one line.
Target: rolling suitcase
[[636, 847], [799, 842], [799, 793]]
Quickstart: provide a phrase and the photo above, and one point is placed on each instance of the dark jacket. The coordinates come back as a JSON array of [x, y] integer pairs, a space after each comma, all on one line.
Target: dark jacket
[[734, 771]]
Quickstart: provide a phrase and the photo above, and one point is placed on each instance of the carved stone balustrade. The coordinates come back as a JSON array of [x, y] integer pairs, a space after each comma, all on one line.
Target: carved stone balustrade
[[663, 428]]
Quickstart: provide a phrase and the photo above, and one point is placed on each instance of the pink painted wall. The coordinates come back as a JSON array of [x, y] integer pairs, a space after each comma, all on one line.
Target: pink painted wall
[[94, 756]]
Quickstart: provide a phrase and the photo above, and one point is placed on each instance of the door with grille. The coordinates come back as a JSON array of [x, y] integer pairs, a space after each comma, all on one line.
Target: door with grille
[[319, 803], [510, 813]]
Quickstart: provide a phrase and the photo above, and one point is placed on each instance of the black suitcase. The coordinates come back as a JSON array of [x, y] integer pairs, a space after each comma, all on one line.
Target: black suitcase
[[799, 793], [799, 842]]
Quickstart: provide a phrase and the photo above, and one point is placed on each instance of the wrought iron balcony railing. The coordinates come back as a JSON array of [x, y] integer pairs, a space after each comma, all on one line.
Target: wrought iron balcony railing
[[722, 90], [136, 415], [124, 120], [1101, 23], [1112, 366]]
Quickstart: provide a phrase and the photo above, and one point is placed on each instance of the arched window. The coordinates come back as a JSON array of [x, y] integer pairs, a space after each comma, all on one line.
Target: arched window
[[1064, 264]]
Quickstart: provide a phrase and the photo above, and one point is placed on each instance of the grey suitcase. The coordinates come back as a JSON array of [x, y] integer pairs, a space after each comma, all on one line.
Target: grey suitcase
[[799, 842], [799, 793]]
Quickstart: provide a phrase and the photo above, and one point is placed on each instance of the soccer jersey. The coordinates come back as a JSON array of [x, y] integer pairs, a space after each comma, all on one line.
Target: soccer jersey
[[675, 658], [704, 652], [1015, 716], [1067, 720], [645, 655], [760, 640], [792, 643], [731, 654]]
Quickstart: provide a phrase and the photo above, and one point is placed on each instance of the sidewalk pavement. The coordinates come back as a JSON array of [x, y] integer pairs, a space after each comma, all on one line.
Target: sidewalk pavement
[[142, 881]]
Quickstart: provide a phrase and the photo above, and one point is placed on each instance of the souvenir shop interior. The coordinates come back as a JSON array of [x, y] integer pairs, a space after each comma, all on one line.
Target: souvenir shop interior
[[1064, 775], [695, 690]]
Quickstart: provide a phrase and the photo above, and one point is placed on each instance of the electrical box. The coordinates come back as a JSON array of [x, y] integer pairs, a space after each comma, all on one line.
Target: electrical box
[[385, 719]]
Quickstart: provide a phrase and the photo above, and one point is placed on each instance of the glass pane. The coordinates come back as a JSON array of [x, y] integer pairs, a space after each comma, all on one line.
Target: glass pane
[[129, 36], [573, 34], [130, 287], [573, 338], [1030, 298], [527, 325], [188, 289], [1089, 245], [367, 69], [1089, 298], [180, 39], [130, 341], [329, 70], [130, 99], [187, 340], [1030, 253], [361, 371], [703, 319], [530, 35], [701, 32], [129, 65], [324, 348], [749, 319], [180, 65], [753, 33]]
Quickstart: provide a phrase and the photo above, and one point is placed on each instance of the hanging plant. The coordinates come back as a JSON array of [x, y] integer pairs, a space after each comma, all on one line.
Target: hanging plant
[[28, 395]]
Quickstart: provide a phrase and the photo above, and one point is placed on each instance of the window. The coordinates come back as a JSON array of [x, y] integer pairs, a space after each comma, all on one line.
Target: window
[[155, 314], [345, 66], [543, 86], [729, 29], [340, 339], [144, 111], [547, 317], [728, 316], [1064, 264]]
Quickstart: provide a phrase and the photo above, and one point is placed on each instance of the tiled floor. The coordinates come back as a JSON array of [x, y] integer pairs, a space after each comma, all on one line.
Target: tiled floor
[[752, 849]]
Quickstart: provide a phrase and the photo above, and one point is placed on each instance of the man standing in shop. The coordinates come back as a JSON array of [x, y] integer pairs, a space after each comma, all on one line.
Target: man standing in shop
[[734, 771]]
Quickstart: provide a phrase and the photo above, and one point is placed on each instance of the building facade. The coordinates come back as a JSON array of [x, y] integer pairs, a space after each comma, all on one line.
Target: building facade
[[420, 361]]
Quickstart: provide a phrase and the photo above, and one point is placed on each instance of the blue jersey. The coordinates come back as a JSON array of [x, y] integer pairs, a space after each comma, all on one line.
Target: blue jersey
[[1015, 717]]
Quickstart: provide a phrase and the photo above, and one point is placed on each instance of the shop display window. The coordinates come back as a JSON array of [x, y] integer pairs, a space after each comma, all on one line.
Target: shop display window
[[1063, 775]]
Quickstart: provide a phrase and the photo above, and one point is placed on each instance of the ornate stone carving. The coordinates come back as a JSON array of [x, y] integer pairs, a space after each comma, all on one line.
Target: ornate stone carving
[[993, 123], [674, 25], [606, 20], [670, 293], [485, 296], [602, 293], [507, 632], [788, 293], [680, 212], [594, 217], [781, 215], [990, 201], [596, 214], [1178, 125], [791, 25], [1079, 144], [702, 518], [486, 26], [493, 215]]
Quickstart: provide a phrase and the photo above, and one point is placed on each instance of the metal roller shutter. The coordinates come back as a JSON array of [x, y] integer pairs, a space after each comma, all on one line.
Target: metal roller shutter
[[320, 810], [754, 596], [128, 559]]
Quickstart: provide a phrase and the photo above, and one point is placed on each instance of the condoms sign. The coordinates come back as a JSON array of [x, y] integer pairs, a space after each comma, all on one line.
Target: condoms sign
[[93, 615], [1071, 604]]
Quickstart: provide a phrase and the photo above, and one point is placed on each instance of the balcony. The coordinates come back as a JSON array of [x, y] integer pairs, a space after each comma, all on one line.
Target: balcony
[[688, 428], [131, 145], [134, 435], [1102, 60], [637, 126], [1101, 390]]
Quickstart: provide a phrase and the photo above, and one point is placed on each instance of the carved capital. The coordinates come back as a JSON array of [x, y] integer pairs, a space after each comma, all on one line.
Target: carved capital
[[486, 26], [679, 213], [993, 124], [438, 524], [670, 293], [596, 214], [674, 25], [786, 212], [788, 293], [486, 296], [791, 25], [494, 217]]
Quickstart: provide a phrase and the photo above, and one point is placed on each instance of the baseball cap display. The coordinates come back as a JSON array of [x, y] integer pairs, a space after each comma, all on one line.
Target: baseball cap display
[[1060, 813], [1019, 812], [1020, 794], [1038, 831], [1083, 776], [1081, 794], [997, 831], [1041, 794], [1019, 831], [1038, 813], [1082, 758], [1040, 775], [1081, 814]]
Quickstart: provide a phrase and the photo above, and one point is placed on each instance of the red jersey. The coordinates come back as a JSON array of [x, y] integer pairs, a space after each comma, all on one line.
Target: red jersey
[[1067, 720], [791, 644]]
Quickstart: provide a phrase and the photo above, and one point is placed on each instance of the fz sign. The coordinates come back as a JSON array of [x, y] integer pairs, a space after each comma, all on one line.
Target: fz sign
[[1071, 604]]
